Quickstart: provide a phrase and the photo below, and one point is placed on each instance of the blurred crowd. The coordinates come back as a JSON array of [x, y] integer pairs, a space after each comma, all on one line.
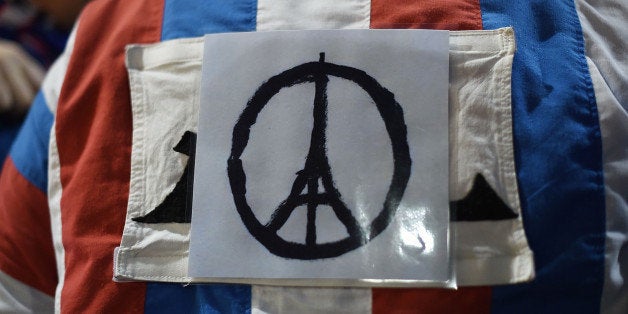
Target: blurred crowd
[[32, 34]]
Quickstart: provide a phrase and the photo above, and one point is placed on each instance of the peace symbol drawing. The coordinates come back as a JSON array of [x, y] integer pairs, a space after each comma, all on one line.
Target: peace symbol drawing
[[314, 184]]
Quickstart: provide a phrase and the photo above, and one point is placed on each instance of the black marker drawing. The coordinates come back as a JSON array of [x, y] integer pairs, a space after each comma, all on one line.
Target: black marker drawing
[[317, 166], [480, 204], [177, 206]]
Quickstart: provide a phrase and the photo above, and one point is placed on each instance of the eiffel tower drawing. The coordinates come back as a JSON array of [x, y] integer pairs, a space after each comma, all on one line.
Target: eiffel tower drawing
[[314, 184], [316, 169]]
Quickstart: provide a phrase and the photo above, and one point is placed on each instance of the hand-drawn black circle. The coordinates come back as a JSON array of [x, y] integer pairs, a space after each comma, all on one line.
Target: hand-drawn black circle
[[317, 165]]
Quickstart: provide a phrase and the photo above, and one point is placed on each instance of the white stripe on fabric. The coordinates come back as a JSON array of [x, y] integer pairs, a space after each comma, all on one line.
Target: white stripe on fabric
[[267, 299], [51, 88], [614, 127], [487, 252], [604, 24], [16, 297], [54, 203], [320, 14]]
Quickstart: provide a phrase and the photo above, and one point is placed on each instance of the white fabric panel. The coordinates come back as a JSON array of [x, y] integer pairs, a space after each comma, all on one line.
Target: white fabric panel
[[487, 252], [54, 203], [614, 127], [268, 299], [164, 80], [605, 28], [16, 297], [480, 104], [320, 14]]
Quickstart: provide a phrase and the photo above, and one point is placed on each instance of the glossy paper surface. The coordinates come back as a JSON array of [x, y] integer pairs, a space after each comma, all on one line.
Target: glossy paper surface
[[323, 155]]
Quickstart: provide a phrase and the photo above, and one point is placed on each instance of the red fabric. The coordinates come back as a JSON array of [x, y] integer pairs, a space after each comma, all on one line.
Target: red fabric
[[26, 251], [428, 301], [93, 129], [431, 14]]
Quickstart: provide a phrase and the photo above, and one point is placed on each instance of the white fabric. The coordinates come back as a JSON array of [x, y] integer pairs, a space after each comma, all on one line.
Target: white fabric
[[16, 297], [54, 202], [614, 127], [51, 88], [605, 29], [481, 142], [164, 81], [604, 24], [320, 14], [269, 299]]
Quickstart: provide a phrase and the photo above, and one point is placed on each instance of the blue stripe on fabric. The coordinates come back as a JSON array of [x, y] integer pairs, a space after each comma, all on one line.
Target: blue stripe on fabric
[[558, 151], [192, 18], [216, 298], [30, 149]]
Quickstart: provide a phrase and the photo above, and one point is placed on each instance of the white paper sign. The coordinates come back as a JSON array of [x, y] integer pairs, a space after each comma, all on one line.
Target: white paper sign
[[323, 154]]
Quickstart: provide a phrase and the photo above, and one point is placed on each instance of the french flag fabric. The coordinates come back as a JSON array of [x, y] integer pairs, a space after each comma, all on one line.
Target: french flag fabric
[[64, 188]]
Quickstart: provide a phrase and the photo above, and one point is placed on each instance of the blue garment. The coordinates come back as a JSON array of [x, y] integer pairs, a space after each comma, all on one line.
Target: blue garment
[[8, 132]]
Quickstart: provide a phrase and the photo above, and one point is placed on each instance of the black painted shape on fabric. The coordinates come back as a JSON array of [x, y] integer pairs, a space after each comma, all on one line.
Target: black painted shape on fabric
[[177, 206], [480, 204], [317, 165]]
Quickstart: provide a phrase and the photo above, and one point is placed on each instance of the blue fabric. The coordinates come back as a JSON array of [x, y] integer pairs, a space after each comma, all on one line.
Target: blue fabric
[[558, 153], [191, 18], [30, 149], [8, 132], [175, 298]]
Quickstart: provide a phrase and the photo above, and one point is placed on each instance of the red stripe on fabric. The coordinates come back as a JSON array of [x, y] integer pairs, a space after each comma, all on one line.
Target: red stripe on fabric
[[474, 300], [26, 250], [93, 130], [434, 14]]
